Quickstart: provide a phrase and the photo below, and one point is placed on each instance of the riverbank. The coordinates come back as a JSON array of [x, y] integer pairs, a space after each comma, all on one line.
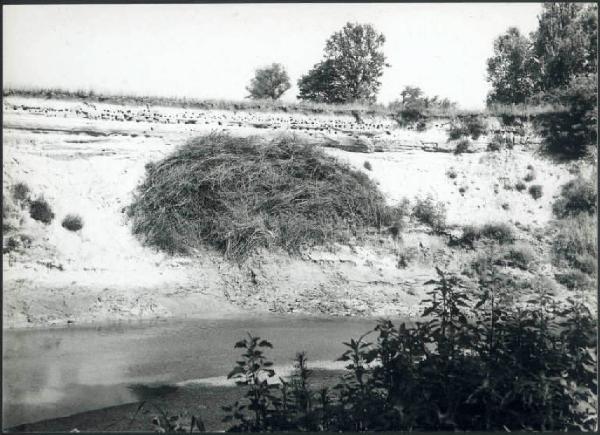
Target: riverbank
[[87, 158]]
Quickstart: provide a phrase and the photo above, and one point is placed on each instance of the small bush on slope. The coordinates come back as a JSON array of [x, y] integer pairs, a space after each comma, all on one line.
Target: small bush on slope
[[575, 243], [40, 210], [430, 213], [499, 232], [238, 194], [20, 192], [535, 191], [462, 146], [577, 196], [72, 222]]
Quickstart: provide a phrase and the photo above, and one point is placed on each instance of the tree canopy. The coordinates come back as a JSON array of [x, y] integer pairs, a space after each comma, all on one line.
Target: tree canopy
[[352, 65], [269, 82], [563, 46]]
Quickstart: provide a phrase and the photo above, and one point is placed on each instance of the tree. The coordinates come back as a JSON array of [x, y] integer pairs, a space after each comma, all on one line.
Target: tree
[[565, 43], [410, 94], [350, 70], [564, 46], [511, 70], [269, 82]]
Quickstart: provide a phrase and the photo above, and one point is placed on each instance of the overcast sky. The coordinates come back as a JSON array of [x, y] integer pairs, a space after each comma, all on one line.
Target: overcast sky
[[211, 51]]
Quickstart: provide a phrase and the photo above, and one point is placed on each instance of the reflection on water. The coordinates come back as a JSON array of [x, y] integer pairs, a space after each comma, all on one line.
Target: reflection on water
[[59, 372]]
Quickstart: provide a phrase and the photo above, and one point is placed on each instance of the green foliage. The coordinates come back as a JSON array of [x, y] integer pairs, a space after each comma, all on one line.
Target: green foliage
[[254, 412], [475, 362], [558, 68], [498, 142], [350, 71], [520, 186], [72, 222], [428, 212], [240, 194], [518, 255], [511, 70], [575, 244], [565, 43], [500, 233], [165, 422], [577, 196], [563, 46], [529, 177], [414, 107], [269, 82], [467, 126], [40, 210], [571, 132], [575, 280], [535, 191], [20, 191], [463, 146]]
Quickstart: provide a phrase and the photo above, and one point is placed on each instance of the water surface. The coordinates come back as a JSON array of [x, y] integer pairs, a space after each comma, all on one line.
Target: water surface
[[59, 372]]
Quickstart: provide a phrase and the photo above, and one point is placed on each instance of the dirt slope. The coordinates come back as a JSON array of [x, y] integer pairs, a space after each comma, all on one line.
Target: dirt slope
[[87, 159]]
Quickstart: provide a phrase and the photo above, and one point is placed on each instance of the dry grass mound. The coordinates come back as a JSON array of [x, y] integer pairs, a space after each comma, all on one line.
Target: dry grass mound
[[239, 194]]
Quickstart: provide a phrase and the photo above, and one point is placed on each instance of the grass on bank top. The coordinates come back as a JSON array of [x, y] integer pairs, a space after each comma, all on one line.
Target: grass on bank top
[[238, 194], [265, 105], [514, 110]]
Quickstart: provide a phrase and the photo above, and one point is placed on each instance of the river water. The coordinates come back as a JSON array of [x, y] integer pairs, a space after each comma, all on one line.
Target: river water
[[59, 372]]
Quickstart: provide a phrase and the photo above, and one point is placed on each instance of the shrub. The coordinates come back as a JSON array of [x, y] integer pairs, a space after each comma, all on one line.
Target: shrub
[[40, 210], [428, 212], [520, 256], [240, 194], [72, 222], [572, 131], [520, 186], [462, 146], [367, 165], [535, 191], [470, 126], [451, 173], [406, 257], [495, 144], [20, 192], [462, 190], [499, 232], [574, 280], [575, 244], [529, 177], [577, 196], [472, 353], [11, 244]]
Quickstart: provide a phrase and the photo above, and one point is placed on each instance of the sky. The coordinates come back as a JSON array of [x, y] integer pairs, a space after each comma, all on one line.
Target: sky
[[212, 50]]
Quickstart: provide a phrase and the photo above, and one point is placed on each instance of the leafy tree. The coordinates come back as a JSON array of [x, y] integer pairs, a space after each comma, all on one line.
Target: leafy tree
[[564, 46], [414, 107], [511, 70], [565, 43], [269, 82], [350, 71]]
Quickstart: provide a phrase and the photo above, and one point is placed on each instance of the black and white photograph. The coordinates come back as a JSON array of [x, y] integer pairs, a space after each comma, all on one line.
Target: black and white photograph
[[299, 217]]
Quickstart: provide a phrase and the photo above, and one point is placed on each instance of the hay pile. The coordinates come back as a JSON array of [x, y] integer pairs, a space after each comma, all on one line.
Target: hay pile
[[239, 194]]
